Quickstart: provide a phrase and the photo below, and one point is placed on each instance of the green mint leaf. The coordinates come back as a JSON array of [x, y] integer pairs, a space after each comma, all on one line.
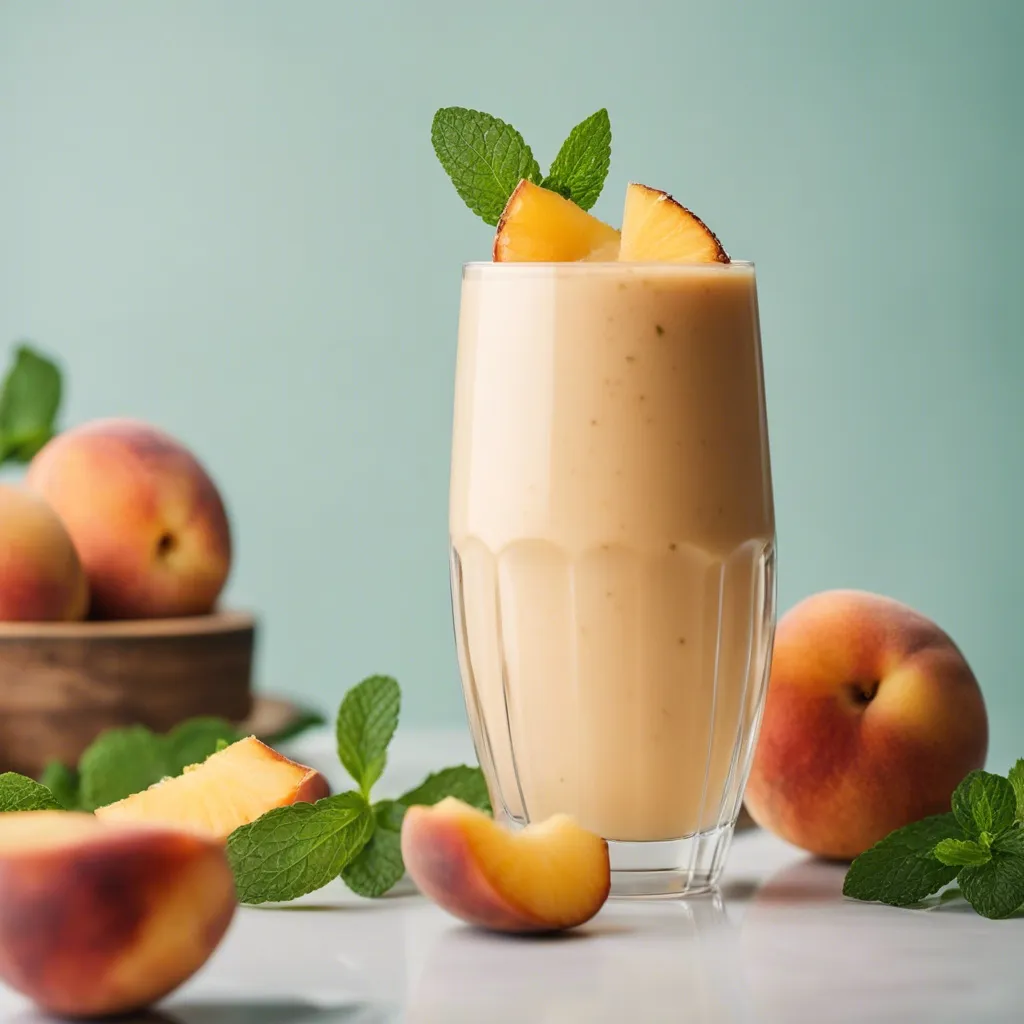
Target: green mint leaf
[[579, 170], [1016, 780], [900, 869], [465, 783], [1010, 841], [485, 158], [20, 793], [221, 745], [29, 399], [294, 850], [120, 762], [62, 782], [984, 802], [379, 865], [959, 852], [995, 889], [194, 740], [367, 720]]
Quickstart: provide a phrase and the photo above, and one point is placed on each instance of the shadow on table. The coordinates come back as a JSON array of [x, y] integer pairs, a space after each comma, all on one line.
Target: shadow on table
[[283, 1012]]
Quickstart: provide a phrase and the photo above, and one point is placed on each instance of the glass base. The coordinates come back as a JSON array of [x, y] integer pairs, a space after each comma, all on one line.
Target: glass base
[[675, 867]]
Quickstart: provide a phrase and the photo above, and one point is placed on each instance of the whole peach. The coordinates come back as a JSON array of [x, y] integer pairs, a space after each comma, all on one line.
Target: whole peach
[[41, 577], [99, 919], [872, 718], [147, 520]]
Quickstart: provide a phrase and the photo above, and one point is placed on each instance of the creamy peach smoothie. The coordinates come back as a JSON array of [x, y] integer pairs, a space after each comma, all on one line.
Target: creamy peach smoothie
[[612, 533]]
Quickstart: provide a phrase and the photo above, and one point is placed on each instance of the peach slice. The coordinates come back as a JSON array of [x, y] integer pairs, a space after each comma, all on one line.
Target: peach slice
[[539, 225], [550, 876], [100, 918], [230, 788], [657, 228]]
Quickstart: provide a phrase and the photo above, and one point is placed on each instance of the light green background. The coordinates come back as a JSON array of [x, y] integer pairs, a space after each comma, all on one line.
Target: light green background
[[226, 218]]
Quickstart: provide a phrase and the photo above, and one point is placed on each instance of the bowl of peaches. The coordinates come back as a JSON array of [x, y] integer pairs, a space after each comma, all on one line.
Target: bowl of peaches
[[114, 552]]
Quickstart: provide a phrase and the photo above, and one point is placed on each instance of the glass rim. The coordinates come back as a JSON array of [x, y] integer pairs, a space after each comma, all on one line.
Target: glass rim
[[585, 266]]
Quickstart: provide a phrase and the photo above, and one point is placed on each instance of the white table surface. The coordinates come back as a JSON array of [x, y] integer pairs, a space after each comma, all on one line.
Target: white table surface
[[780, 945]]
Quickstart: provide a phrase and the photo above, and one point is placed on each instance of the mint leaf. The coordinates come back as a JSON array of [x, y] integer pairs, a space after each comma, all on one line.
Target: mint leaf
[[379, 865], [29, 400], [62, 782], [1016, 780], [984, 802], [20, 793], [367, 720], [1010, 841], [995, 889], [958, 852], [194, 740], [463, 782], [120, 762], [294, 850], [484, 157], [900, 869], [579, 170]]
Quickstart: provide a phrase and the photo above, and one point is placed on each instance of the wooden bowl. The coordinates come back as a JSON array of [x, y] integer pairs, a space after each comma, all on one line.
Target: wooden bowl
[[62, 683]]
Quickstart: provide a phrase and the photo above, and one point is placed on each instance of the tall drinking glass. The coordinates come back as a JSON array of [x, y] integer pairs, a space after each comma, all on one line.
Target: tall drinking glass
[[613, 552]]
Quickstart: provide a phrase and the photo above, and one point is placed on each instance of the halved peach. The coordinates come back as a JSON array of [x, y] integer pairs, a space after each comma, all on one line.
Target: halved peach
[[230, 788], [550, 876], [100, 918], [539, 225], [657, 228]]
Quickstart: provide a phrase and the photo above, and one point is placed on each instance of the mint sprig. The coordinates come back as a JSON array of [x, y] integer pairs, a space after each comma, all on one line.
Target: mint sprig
[[365, 851], [486, 158], [979, 843]]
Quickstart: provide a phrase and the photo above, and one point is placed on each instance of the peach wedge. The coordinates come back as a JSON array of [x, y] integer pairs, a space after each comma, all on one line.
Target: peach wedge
[[100, 918], [550, 876], [657, 228], [230, 788], [538, 225]]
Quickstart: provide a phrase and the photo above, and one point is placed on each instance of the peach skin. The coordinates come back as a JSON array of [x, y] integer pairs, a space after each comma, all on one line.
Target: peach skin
[[148, 522], [230, 788], [551, 876], [99, 919], [41, 576], [872, 718]]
